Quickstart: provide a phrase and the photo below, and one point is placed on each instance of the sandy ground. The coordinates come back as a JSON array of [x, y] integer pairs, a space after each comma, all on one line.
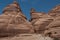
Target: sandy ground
[[27, 37]]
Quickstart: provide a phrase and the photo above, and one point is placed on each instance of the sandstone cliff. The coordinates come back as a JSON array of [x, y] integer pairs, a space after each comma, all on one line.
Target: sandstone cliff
[[55, 11], [40, 20], [53, 29], [12, 21]]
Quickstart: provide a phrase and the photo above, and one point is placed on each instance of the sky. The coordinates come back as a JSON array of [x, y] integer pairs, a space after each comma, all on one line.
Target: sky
[[26, 5]]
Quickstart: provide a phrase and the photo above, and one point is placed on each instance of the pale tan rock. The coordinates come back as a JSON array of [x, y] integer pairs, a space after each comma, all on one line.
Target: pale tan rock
[[27, 37]]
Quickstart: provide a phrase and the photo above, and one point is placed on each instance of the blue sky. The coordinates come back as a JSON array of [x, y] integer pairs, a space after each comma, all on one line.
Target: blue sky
[[26, 5]]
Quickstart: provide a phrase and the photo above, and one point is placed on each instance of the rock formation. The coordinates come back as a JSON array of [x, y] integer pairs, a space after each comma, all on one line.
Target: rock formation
[[53, 29], [55, 11], [40, 20], [12, 21], [49, 24]]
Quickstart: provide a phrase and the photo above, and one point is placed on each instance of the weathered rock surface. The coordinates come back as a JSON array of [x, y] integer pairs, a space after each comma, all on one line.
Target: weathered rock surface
[[12, 21], [27, 37], [53, 29], [55, 12], [40, 21]]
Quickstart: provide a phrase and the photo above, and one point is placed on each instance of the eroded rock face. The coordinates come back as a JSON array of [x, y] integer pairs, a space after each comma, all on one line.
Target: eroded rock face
[[55, 12], [40, 21], [12, 21], [53, 29]]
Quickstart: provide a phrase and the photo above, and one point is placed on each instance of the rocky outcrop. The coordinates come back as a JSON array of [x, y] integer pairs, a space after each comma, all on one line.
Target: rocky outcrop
[[53, 29], [12, 21], [55, 12], [40, 20], [49, 24]]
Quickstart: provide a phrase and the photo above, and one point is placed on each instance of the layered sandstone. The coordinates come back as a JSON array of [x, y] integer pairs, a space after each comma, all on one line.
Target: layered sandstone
[[53, 29], [12, 21], [40, 20], [55, 12]]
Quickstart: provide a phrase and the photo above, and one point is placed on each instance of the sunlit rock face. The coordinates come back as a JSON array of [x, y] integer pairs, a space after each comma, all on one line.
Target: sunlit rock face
[[12, 21], [55, 11], [40, 20], [53, 29]]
